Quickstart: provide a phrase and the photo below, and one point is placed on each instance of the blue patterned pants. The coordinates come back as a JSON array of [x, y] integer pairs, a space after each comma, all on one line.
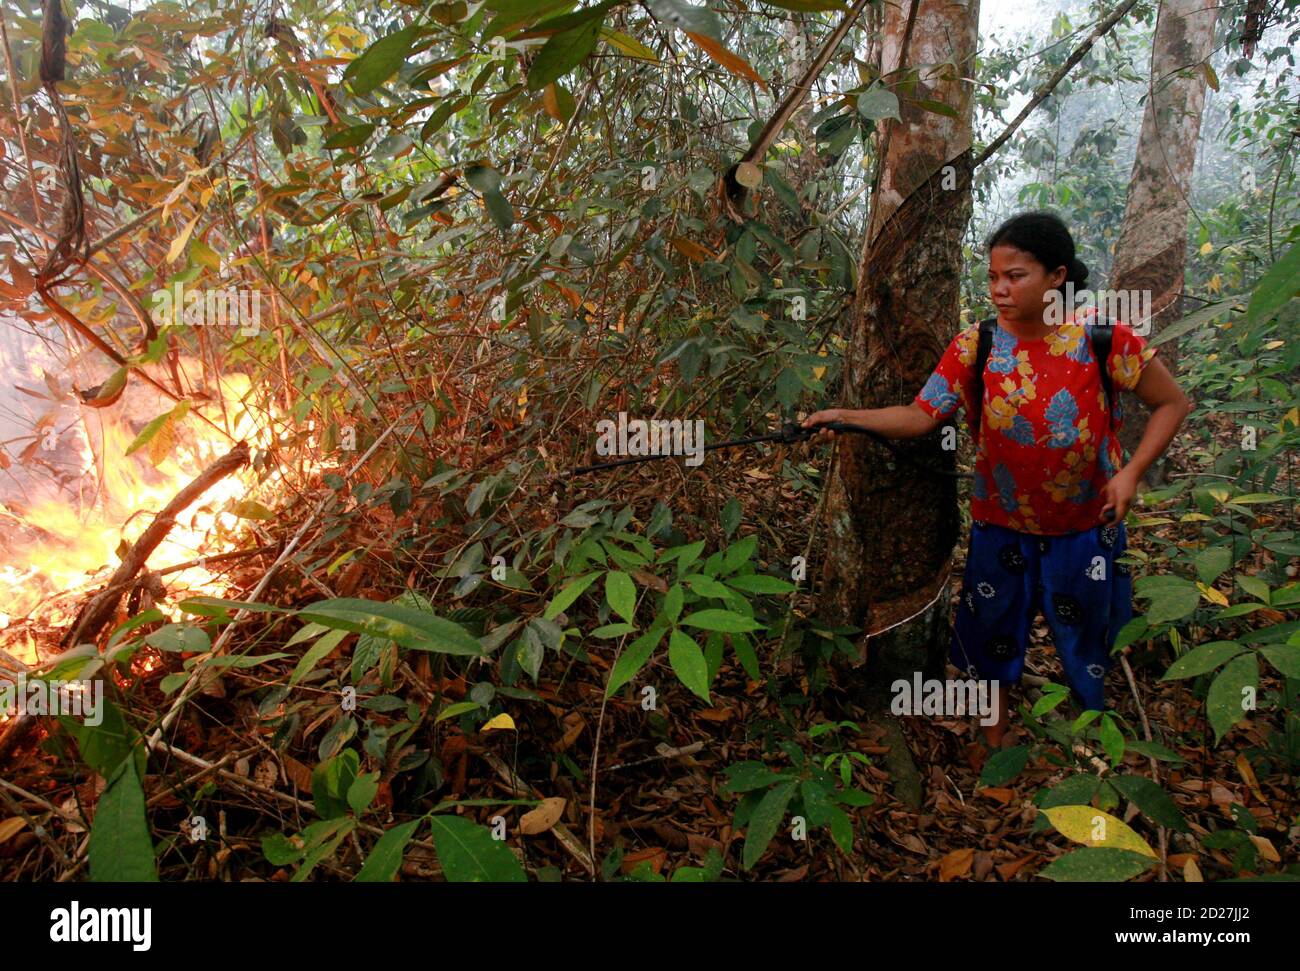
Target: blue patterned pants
[[1084, 595]]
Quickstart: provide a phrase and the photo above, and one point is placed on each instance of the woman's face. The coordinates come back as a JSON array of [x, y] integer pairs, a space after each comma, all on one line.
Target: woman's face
[[1020, 285]]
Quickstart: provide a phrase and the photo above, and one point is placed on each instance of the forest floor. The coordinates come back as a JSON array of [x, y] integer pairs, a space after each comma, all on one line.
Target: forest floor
[[669, 811]]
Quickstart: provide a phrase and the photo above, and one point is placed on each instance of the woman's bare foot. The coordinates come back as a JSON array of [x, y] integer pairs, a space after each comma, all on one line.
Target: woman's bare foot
[[993, 734]]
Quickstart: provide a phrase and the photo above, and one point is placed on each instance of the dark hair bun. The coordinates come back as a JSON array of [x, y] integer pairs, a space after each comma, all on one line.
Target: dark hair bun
[[1043, 235]]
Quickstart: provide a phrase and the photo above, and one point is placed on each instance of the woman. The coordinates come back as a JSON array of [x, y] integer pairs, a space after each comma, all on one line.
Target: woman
[[1051, 489]]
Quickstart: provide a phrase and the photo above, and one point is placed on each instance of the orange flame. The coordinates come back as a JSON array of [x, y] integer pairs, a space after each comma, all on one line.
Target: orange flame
[[69, 539]]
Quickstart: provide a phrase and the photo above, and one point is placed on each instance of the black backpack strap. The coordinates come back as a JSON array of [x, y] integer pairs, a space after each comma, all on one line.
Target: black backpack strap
[[982, 350], [1100, 339]]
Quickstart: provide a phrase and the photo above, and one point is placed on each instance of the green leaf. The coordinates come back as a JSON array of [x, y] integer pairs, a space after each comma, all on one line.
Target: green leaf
[[620, 594], [568, 595], [877, 103], [1004, 765], [323, 839], [1224, 702], [1284, 657], [632, 660], [748, 776], [1238, 610], [744, 648], [221, 609], [362, 792], [726, 621], [1191, 322], [688, 662], [1075, 790], [513, 13], [760, 583], [120, 848], [318, 651], [1112, 739], [410, 627], [628, 45], [739, 552], [1048, 702], [469, 854], [456, 709], [104, 746], [1277, 287], [279, 850], [1149, 797], [1202, 658], [1154, 750], [613, 630], [1130, 633], [706, 586], [330, 782], [1097, 864], [1172, 600], [765, 820], [673, 600], [381, 60], [1256, 587], [1211, 563], [678, 13], [842, 830], [562, 53], [385, 857], [502, 213], [349, 137], [148, 433], [936, 107], [179, 637]]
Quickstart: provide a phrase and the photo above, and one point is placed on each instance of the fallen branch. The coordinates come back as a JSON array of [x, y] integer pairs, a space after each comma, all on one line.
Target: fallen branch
[[563, 834], [202, 562], [99, 610], [191, 685]]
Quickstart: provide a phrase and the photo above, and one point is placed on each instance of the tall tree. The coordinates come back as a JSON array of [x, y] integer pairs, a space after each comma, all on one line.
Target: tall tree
[[1152, 250], [891, 530]]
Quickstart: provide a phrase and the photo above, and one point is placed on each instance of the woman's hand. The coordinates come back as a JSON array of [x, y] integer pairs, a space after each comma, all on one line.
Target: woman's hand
[[822, 418], [1119, 494]]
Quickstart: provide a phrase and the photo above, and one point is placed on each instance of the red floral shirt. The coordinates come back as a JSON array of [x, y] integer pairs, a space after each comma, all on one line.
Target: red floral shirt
[[1046, 448]]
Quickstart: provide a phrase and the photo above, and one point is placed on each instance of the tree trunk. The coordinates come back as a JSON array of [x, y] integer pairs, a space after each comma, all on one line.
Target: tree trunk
[[892, 528], [1152, 249]]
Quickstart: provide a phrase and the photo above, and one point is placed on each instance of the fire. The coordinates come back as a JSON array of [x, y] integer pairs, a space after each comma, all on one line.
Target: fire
[[65, 540]]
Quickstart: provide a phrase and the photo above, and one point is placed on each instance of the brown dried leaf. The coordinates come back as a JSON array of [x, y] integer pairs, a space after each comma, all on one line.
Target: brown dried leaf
[[9, 827], [298, 773], [732, 62], [1008, 870], [1266, 848], [956, 864], [656, 855], [542, 818]]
